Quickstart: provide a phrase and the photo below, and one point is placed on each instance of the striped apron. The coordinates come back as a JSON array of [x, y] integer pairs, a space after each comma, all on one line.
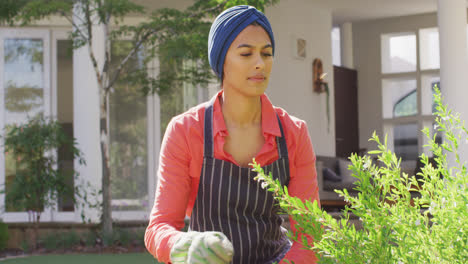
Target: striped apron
[[230, 201]]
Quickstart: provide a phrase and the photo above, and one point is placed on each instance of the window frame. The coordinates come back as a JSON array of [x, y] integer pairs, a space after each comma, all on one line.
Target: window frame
[[23, 33], [388, 124], [50, 36]]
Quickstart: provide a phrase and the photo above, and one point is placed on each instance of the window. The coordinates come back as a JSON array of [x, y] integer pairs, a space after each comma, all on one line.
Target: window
[[399, 97], [398, 53], [179, 98], [408, 88], [128, 137], [64, 82], [22, 53], [405, 138], [336, 46], [429, 48]]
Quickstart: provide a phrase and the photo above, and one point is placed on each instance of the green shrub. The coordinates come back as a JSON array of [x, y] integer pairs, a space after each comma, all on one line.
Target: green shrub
[[62, 240], [51, 242], [24, 245], [122, 236], [396, 227], [90, 238], [36, 180], [108, 239], [138, 236], [70, 239], [3, 235]]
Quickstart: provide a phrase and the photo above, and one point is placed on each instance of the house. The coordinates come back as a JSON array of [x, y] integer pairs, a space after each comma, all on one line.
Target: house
[[393, 46]]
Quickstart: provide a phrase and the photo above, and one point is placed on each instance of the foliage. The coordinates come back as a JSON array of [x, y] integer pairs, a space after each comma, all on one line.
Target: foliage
[[38, 179], [62, 240], [3, 235], [10, 9], [397, 226]]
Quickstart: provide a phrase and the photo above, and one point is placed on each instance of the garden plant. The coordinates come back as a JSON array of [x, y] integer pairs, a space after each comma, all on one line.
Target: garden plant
[[35, 179], [397, 227]]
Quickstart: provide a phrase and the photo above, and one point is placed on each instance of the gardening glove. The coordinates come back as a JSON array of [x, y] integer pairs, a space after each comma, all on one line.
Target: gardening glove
[[202, 248]]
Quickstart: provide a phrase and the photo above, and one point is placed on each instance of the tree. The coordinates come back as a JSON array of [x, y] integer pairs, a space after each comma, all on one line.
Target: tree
[[174, 36]]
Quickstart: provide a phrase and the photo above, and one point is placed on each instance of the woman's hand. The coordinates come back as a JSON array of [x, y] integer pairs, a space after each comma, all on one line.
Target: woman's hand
[[203, 248]]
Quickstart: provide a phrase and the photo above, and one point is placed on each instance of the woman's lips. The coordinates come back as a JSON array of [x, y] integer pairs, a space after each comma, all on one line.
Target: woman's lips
[[257, 78]]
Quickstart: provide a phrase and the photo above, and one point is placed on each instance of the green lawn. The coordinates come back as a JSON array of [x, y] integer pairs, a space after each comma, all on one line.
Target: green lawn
[[131, 258]]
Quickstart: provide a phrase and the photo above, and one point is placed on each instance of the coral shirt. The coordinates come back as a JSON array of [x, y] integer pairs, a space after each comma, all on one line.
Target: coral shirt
[[180, 165]]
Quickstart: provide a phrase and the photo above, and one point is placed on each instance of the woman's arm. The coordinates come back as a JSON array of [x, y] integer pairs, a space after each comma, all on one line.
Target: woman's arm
[[303, 184], [172, 193]]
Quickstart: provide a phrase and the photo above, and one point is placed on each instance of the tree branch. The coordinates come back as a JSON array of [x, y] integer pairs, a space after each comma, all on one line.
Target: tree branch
[[129, 55], [209, 9], [144, 38], [74, 25], [89, 23]]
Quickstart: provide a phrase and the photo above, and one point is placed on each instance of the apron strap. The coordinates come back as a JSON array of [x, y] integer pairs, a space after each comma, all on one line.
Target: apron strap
[[281, 142], [208, 131]]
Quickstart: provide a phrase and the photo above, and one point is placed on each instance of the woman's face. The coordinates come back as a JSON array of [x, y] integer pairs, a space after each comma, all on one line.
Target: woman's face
[[248, 62]]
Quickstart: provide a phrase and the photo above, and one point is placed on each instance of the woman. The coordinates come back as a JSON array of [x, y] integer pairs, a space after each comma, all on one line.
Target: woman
[[204, 162]]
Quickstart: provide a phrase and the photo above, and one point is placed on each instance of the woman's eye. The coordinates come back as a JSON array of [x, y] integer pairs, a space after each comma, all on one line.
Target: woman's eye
[[267, 54], [246, 54]]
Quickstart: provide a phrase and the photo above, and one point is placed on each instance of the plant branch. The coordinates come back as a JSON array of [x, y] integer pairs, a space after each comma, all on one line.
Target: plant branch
[[74, 25], [208, 10], [129, 55]]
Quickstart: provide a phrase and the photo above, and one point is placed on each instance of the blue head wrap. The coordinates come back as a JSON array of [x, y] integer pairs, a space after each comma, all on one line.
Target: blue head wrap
[[225, 29]]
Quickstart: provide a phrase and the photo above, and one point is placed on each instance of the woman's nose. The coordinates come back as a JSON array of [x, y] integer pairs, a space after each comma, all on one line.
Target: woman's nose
[[259, 62]]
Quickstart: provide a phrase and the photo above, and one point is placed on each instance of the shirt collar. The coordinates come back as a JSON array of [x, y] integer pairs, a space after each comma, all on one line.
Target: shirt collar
[[269, 119]]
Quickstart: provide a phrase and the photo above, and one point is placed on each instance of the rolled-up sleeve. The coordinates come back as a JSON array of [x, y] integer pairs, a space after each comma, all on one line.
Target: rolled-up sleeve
[[303, 184], [172, 193]]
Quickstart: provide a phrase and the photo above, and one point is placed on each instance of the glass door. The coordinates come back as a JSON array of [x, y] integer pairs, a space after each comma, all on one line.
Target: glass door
[[24, 92]]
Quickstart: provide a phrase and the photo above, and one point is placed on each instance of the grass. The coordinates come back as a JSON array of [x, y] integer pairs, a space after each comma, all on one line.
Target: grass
[[140, 258]]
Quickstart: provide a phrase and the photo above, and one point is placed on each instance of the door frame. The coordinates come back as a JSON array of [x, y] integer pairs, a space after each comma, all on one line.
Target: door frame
[[23, 33]]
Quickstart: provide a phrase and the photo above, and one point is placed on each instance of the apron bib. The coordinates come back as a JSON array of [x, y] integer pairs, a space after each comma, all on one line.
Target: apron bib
[[230, 201]]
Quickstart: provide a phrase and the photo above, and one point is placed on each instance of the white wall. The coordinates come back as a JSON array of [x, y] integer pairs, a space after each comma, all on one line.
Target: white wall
[[291, 79], [367, 61]]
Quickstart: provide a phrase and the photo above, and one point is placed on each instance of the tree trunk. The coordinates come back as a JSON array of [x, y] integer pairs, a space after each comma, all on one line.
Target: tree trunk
[[36, 218], [106, 173]]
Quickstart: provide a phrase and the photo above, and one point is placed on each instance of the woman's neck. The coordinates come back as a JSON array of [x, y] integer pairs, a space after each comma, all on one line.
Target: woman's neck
[[239, 110]]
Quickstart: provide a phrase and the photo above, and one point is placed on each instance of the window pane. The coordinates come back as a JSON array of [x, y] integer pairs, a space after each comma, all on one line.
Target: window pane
[[172, 100], [128, 136], [65, 115], [399, 98], [428, 82], [336, 46], [191, 92], [179, 97], [429, 48], [24, 91], [405, 142], [24, 96], [398, 53]]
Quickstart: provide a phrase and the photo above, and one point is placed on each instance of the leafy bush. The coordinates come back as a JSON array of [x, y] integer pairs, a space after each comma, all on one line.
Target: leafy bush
[[397, 227], [90, 238], [37, 179], [70, 239], [62, 240]]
